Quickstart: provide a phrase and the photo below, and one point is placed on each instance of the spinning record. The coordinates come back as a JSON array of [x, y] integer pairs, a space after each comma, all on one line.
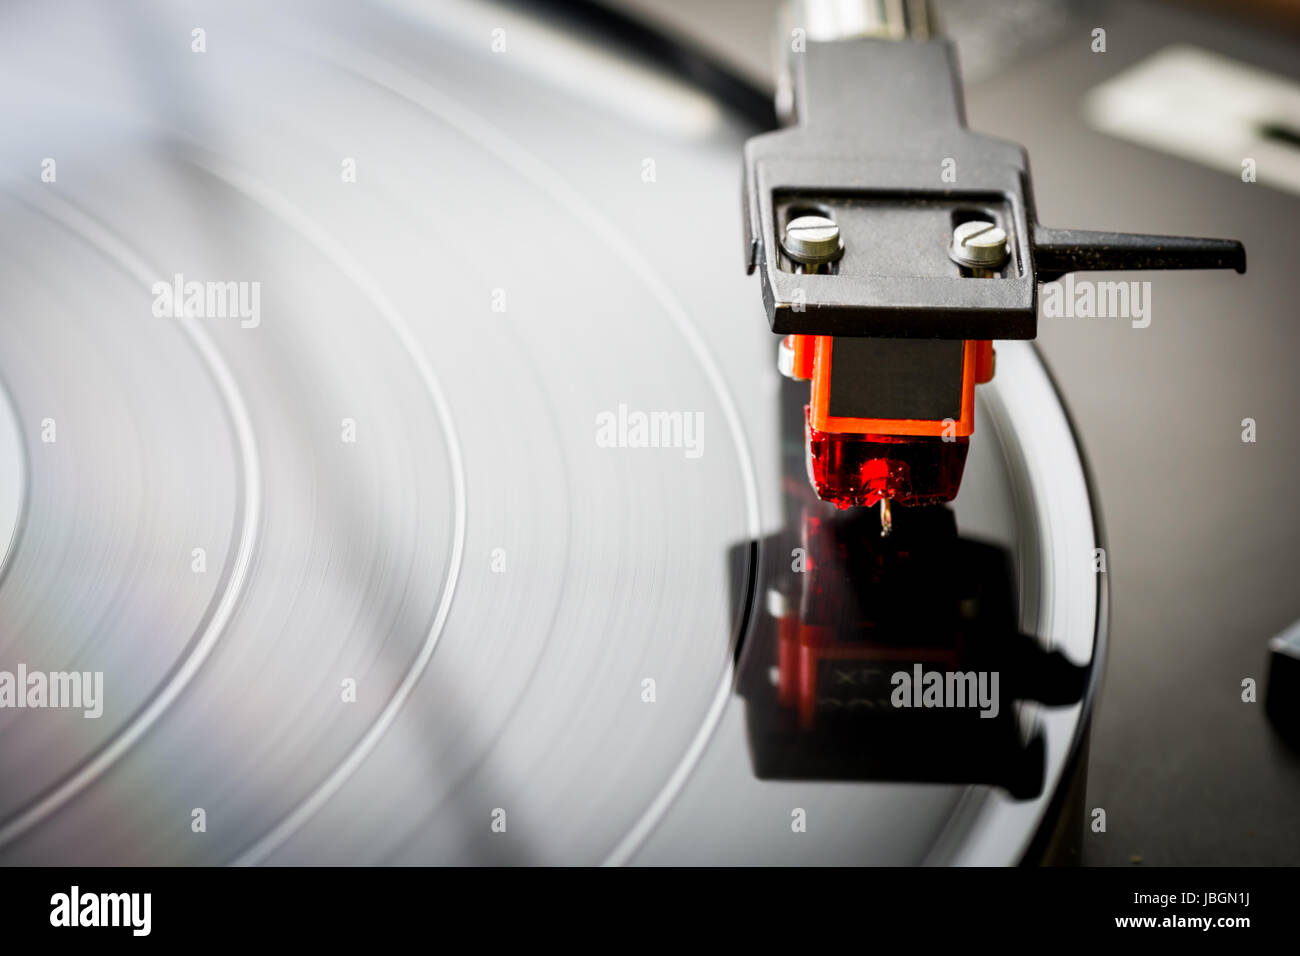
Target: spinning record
[[389, 424]]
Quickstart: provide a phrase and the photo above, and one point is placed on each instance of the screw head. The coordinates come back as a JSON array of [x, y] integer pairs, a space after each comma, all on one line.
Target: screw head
[[785, 358], [979, 245], [812, 240]]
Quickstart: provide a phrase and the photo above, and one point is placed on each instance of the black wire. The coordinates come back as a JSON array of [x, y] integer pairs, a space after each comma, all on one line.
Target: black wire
[[674, 54]]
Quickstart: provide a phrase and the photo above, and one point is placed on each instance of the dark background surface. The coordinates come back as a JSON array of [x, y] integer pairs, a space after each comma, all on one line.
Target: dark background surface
[[1203, 529]]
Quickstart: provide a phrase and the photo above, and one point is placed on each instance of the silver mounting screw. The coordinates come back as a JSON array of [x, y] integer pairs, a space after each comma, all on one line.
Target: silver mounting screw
[[812, 240], [979, 245], [785, 358]]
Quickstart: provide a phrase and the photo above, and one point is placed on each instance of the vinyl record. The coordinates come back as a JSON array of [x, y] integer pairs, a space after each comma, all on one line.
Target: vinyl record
[[326, 337]]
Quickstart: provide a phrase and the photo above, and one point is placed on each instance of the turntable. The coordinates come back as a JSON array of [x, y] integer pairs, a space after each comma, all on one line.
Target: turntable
[[486, 535]]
